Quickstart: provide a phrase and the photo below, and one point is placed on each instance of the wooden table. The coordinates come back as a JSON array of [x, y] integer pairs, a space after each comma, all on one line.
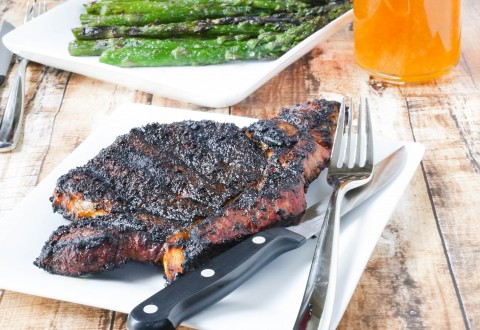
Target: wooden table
[[425, 270]]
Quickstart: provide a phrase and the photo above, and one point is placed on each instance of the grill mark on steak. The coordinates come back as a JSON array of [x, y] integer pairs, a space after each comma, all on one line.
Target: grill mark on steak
[[177, 194]]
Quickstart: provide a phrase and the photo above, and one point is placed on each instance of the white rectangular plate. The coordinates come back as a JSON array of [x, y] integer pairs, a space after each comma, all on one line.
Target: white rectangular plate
[[45, 40], [269, 300]]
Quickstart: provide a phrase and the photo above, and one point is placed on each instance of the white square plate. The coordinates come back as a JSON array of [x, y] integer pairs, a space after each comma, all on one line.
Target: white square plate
[[45, 40], [269, 300]]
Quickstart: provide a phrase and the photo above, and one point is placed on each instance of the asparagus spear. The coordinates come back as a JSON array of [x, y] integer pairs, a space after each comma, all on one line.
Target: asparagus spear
[[246, 25], [97, 47], [180, 15], [307, 2], [328, 12], [130, 7], [139, 57]]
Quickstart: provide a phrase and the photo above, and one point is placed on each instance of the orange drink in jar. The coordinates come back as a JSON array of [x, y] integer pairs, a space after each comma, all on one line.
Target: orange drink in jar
[[407, 40]]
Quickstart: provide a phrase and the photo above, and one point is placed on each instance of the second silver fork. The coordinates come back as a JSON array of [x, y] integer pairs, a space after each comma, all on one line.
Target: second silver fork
[[11, 124], [319, 297]]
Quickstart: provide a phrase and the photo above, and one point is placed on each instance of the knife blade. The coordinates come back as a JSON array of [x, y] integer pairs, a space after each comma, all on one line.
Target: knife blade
[[5, 53], [208, 284]]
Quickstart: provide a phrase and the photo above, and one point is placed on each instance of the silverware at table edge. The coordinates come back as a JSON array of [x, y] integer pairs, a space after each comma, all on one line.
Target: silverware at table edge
[[5, 53], [11, 124], [201, 288]]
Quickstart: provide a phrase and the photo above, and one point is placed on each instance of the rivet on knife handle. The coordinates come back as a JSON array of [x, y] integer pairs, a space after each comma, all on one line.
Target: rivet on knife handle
[[213, 281]]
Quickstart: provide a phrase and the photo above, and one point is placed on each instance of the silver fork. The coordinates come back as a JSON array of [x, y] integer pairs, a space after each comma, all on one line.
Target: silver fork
[[11, 124], [319, 297]]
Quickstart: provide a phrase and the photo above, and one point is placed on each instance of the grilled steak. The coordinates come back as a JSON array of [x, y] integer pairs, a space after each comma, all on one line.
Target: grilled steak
[[177, 194]]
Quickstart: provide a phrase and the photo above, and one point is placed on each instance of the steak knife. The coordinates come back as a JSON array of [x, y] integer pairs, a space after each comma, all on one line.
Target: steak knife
[[5, 53], [214, 280]]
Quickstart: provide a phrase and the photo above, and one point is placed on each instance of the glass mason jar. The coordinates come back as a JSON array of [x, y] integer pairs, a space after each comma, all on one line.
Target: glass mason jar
[[407, 40]]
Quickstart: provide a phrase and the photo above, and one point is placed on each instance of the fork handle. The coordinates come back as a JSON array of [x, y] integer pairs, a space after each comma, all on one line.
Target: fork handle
[[317, 304], [13, 116]]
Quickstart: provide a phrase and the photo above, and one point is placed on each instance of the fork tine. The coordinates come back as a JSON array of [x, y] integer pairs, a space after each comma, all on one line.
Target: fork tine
[[369, 157], [349, 146], [337, 141], [34, 9], [27, 13], [360, 133]]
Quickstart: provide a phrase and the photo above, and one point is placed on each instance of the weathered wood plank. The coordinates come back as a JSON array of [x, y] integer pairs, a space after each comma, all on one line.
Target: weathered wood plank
[[450, 129], [11, 12], [120, 323], [21, 312], [283, 90], [170, 103], [470, 33]]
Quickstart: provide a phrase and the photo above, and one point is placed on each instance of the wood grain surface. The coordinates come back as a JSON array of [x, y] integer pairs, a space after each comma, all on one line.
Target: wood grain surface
[[425, 270]]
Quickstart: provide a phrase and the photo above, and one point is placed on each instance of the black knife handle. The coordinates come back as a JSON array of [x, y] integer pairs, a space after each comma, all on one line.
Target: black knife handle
[[212, 281]]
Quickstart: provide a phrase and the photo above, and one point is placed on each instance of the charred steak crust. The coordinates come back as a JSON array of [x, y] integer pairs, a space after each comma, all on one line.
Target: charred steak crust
[[182, 171], [177, 194]]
